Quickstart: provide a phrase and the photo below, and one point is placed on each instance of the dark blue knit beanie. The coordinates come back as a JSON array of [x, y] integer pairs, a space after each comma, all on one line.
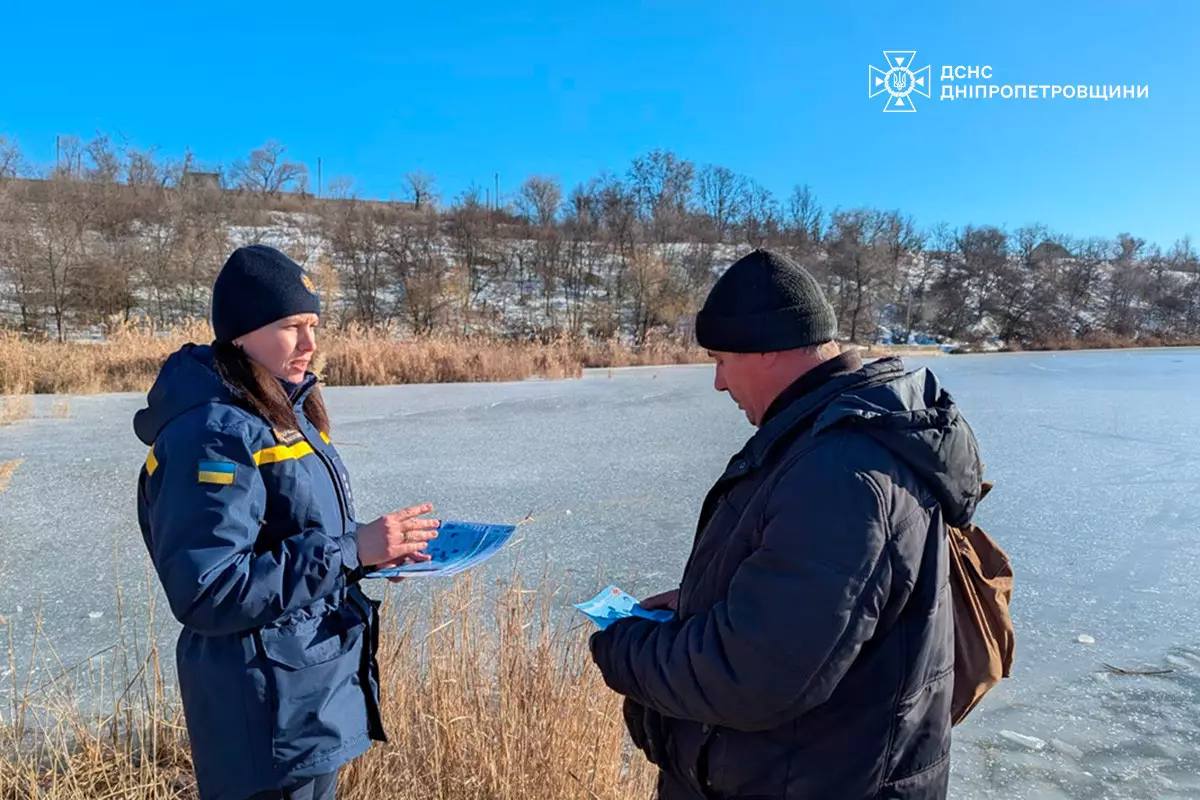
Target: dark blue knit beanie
[[257, 286], [765, 302]]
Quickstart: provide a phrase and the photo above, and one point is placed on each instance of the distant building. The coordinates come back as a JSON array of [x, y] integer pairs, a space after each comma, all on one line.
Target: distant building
[[1049, 251]]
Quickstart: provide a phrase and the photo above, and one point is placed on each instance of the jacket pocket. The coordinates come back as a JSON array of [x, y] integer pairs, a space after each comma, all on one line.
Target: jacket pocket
[[921, 737], [317, 701], [686, 743], [312, 642]]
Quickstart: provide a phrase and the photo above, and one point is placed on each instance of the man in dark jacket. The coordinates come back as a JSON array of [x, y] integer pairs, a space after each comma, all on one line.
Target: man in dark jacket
[[812, 653]]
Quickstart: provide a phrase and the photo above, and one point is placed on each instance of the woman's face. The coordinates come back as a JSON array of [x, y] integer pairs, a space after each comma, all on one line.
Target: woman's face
[[285, 347]]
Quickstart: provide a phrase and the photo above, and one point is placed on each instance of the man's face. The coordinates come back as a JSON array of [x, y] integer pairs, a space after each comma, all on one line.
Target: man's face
[[742, 375]]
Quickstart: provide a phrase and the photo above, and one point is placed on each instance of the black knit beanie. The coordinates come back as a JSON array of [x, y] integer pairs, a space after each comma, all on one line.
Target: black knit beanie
[[763, 303], [257, 286]]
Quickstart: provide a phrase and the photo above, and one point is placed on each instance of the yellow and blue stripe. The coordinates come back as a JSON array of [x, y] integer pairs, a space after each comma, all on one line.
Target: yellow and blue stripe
[[222, 472], [219, 472], [282, 452]]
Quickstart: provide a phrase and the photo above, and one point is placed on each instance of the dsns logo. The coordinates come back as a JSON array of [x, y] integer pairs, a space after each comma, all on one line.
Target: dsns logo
[[900, 81]]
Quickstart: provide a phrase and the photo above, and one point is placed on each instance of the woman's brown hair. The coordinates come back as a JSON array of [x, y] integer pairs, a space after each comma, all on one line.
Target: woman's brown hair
[[263, 392]]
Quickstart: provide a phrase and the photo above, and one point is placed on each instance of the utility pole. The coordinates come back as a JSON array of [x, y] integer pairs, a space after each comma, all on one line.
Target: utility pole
[[496, 196], [318, 176]]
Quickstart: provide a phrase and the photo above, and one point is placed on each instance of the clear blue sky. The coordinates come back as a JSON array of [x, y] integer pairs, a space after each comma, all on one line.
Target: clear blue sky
[[773, 90]]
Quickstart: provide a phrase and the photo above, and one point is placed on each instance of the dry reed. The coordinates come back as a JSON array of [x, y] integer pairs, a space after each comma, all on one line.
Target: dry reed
[[7, 468], [481, 698], [129, 359], [14, 409]]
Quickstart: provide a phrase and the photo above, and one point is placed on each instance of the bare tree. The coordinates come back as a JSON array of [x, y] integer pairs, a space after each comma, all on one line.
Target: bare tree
[[583, 257], [24, 285], [11, 161], [469, 228], [760, 218], [898, 243], [1125, 283], [69, 157], [661, 184], [143, 170], [1079, 283], [421, 269], [539, 201], [856, 271], [267, 173], [618, 226], [104, 160], [973, 262], [58, 240], [721, 194], [805, 221], [421, 189], [1184, 261], [357, 234], [657, 295]]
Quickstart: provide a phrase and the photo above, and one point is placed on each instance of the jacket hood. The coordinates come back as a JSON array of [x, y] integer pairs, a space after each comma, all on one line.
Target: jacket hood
[[908, 413], [912, 416], [187, 379]]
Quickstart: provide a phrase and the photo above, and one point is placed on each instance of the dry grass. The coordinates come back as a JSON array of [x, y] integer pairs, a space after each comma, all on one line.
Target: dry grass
[[130, 358], [14, 409], [127, 361], [7, 468], [1102, 340], [481, 700], [881, 350], [381, 357], [615, 353]]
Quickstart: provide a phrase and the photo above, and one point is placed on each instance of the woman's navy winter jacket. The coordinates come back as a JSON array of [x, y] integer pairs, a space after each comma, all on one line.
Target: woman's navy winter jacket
[[252, 534]]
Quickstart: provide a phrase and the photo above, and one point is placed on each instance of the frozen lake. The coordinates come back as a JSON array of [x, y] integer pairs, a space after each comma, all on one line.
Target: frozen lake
[[1092, 454]]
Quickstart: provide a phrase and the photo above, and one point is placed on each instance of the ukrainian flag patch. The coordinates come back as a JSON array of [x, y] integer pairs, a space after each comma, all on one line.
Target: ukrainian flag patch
[[219, 472]]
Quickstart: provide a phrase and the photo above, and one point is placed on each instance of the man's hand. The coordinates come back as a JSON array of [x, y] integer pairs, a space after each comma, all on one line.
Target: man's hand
[[665, 600]]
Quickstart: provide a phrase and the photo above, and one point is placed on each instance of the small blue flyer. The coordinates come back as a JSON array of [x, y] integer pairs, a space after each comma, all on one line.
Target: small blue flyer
[[613, 604]]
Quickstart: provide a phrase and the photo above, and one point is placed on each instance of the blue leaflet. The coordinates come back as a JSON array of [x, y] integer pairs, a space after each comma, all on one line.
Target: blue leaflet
[[613, 604], [458, 546]]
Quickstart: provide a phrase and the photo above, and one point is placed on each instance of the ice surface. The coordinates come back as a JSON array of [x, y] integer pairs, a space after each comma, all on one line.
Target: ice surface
[[1094, 457]]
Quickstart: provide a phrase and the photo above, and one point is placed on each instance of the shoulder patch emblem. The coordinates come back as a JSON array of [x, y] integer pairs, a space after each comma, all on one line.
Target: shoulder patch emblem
[[218, 472], [288, 436]]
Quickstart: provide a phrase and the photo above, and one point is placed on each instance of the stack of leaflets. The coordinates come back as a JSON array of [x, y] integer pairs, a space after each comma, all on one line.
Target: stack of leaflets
[[458, 546]]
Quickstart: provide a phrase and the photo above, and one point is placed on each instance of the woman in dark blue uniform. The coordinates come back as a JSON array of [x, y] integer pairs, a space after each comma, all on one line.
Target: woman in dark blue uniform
[[246, 509]]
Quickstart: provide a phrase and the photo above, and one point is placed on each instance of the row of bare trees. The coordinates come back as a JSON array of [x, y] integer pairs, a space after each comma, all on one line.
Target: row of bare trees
[[112, 233]]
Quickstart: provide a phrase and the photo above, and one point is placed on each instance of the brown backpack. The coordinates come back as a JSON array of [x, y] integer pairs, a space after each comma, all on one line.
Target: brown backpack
[[981, 578]]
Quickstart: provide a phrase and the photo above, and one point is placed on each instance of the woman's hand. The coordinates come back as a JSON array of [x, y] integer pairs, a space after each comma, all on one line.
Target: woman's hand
[[415, 558], [397, 537]]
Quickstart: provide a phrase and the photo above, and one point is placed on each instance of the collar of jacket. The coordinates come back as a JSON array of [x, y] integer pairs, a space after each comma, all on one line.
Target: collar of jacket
[[298, 392], [805, 410], [815, 378]]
